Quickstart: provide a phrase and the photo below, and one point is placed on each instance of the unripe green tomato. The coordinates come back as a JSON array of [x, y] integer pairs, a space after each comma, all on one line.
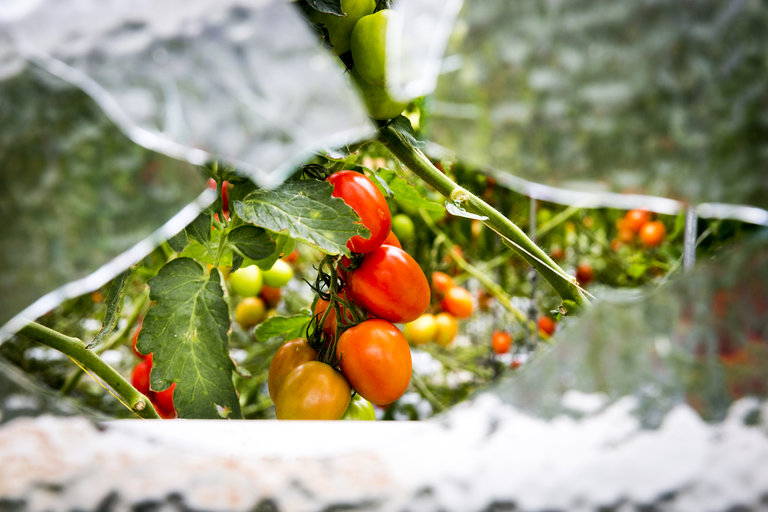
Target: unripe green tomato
[[340, 27], [403, 227], [369, 45], [279, 275], [250, 312], [380, 105], [246, 282], [359, 409]]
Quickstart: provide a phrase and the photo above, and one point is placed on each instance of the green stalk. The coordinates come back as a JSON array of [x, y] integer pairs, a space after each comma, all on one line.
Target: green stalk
[[419, 164], [75, 349]]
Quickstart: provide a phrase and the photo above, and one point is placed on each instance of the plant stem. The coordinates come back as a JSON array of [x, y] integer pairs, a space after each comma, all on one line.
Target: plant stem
[[419, 164], [75, 349]]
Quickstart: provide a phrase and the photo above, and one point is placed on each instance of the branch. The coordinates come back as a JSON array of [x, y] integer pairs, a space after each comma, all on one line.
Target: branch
[[75, 349], [565, 285]]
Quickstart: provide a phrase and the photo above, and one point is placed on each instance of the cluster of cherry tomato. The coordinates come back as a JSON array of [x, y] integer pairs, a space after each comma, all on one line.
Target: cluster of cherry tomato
[[638, 224], [261, 290], [361, 34], [355, 345], [453, 301], [163, 401]]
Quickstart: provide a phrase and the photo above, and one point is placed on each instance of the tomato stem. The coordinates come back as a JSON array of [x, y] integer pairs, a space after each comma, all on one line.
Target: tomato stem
[[75, 349], [420, 165]]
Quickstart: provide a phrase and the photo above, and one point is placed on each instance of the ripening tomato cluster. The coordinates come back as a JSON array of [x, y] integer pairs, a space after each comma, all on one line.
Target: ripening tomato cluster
[[361, 34], [367, 352], [454, 302], [637, 224], [162, 400], [261, 290]]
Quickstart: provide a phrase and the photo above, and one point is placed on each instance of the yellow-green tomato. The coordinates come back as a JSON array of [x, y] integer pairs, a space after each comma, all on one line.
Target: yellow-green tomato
[[246, 282], [250, 312], [279, 275], [313, 391], [369, 45], [403, 226], [422, 330], [380, 105], [340, 27], [359, 409]]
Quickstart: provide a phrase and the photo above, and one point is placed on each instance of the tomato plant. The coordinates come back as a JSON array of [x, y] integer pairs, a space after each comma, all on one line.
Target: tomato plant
[[340, 27], [279, 275], [313, 391], [246, 282], [422, 330], [390, 285], [501, 341], [458, 302], [376, 360], [249, 312], [653, 233], [290, 355], [446, 327], [359, 409], [366, 199]]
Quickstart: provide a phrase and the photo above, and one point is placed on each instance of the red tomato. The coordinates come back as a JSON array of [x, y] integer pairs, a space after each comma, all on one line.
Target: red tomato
[[635, 219], [557, 253], [366, 199], [270, 295], [329, 326], [626, 235], [293, 257], [392, 240], [457, 302], [501, 341], [390, 285], [292, 354], [547, 325], [441, 283], [135, 339], [584, 274], [313, 391], [163, 402], [653, 233], [376, 360]]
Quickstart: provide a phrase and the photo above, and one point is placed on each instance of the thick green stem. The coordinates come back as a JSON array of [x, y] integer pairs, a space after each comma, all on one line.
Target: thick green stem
[[420, 165], [75, 349]]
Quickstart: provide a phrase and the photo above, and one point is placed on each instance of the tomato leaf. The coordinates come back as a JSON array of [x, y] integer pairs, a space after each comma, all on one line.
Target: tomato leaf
[[186, 330], [178, 241], [252, 242], [288, 326], [114, 302], [402, 125], [329, 6], [304, 210], [237, 261], [200, 228], [406, 194], [284, 248]]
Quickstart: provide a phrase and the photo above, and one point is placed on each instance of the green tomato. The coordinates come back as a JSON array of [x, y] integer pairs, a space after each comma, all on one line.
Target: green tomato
[[403, 226], [543, 216], [380, 105], [340, 27], [359, 409], [278, 275], [246, 282], [369, 44]]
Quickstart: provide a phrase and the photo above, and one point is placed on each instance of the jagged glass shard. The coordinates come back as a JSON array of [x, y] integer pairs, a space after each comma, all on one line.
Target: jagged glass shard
[[76, 193], [702, 340], [657, 98], [244, 81]]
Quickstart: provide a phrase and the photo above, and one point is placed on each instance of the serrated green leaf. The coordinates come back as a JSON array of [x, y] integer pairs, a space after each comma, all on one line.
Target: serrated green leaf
[[402, 125], [406, 194], [305, 210], [186, 331], [237, 262], [200, 228], [252, 242], [178, 241], [285, 246], [288, 326], [114, 301]]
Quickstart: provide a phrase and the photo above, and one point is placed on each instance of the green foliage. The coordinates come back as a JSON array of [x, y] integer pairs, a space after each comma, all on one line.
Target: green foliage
[[114, 301], [288, 327], [186, 331]]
